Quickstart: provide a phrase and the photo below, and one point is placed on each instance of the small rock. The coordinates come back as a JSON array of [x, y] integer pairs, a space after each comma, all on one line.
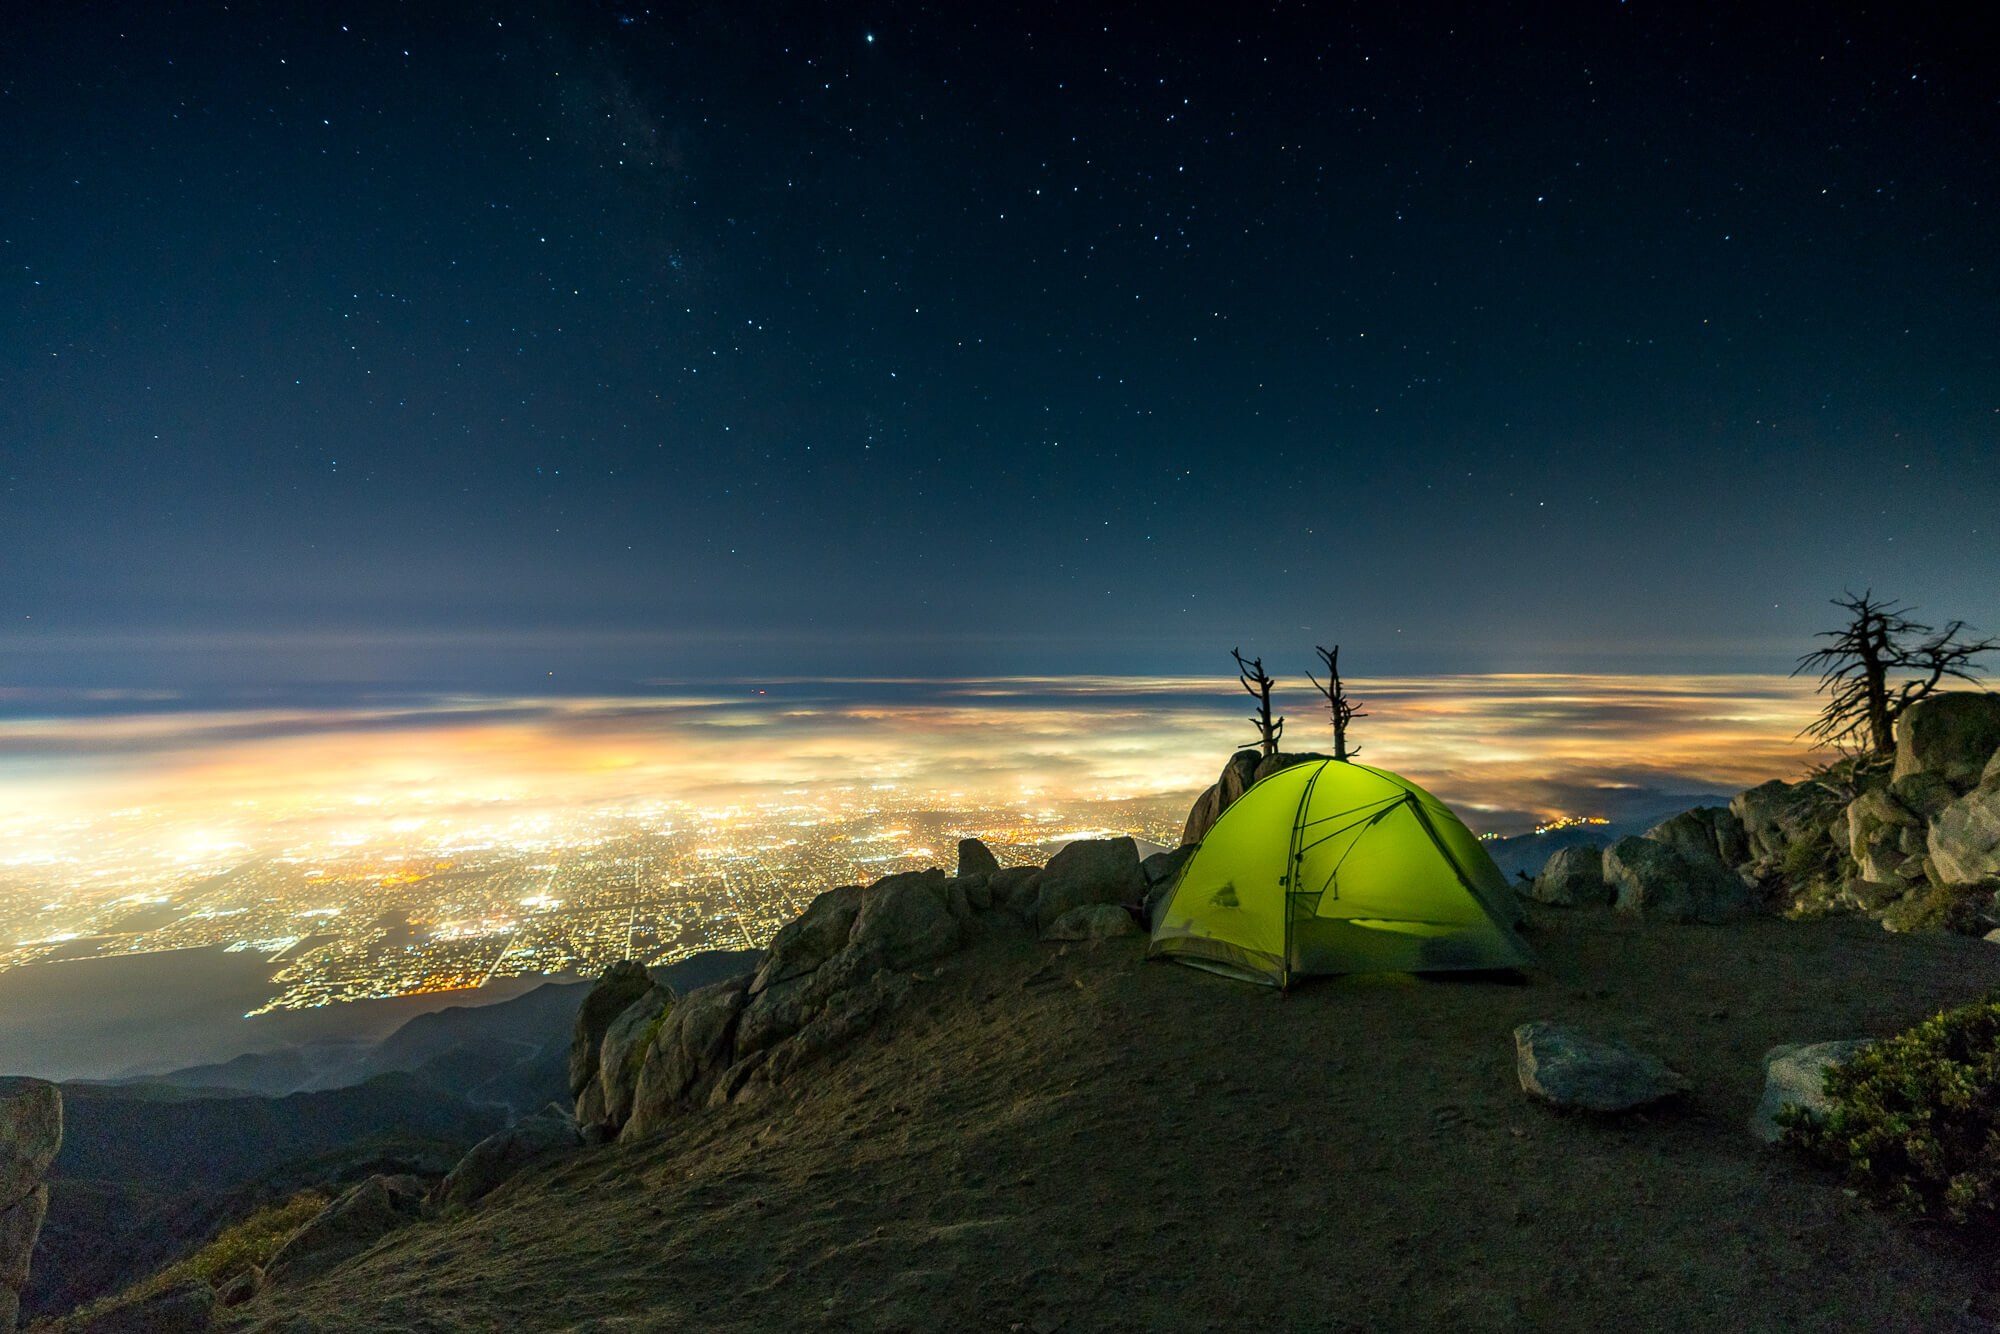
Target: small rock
[[1569, 1068], [1795, 1075], [1093, 921]]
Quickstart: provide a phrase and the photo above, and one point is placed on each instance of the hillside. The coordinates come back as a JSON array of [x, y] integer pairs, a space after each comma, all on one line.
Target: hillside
[[1067, 1137]]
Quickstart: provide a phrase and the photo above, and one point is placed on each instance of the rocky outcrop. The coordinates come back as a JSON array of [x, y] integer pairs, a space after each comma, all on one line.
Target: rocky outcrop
[[1653, 880], [975, 858], [1705, 834], [1964, 840], [1795, 1076], [1573, 878], [500, 1155], [1578, 1071], [1090, 870], [1093, 921], [347, 1227], [622, 983], [1237, 775], [1776, 814], [619, 1055], [1245, 768], [31, 1127], [1885, 838], [1950, 735]]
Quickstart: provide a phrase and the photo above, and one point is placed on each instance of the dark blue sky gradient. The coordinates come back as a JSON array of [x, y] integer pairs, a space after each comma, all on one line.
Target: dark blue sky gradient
[[461, 345]]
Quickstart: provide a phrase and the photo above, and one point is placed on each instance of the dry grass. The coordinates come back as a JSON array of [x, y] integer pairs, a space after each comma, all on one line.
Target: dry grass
[[1085, 1141]]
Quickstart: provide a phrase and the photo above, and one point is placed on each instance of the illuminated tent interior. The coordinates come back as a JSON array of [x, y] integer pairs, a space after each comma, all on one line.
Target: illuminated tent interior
[[1332, 867]]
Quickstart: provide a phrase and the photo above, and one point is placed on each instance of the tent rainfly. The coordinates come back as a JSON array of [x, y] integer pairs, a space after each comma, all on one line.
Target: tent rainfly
[[1333, 867]]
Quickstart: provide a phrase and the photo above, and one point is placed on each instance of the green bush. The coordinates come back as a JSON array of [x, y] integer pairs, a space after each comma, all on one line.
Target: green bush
[[1807, 858], [1915, 1119]]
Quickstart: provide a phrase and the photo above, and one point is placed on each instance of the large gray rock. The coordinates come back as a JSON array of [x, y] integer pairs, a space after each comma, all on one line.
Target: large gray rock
[[1090, 870], [694, 1046], [1795, 1075], [31, 1128], [623, 1050], [622, 983], [1093, 921], [1964, 839], [1924, 795], [1573, 878], [1571, 1069], [1877, 827], [1015, 888], [1650, 879], [1706, 833], [811, 938], [1776, 814], [347, 1227], [975, 858], [1952, 735], [905, 920], [500, 1155]]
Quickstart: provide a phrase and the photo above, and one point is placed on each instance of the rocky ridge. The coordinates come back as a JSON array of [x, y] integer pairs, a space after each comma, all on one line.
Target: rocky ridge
[[1914, 844]]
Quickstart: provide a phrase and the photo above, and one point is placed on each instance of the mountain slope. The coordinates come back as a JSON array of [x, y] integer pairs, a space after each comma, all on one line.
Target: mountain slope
[[1081, 1140]]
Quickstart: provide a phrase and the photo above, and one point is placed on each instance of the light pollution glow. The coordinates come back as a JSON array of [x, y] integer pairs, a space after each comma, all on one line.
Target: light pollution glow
[[1506, 750]]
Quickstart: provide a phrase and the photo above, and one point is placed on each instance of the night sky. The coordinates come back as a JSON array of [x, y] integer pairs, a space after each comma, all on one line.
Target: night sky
[[487, 345]]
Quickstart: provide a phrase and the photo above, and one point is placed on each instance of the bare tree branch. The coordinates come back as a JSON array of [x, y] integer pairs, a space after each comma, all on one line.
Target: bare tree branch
[[1257, 683], [1854, 667]]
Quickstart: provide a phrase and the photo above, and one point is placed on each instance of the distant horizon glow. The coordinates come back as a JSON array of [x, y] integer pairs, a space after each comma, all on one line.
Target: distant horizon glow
[[210, 783]]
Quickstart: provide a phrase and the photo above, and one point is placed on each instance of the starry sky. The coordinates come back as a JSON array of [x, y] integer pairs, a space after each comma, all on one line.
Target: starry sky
[[577, 346]]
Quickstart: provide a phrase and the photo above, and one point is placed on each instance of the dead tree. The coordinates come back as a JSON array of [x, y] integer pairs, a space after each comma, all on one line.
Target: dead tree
[[1250, 672], [1879, 639], [1339, 707]]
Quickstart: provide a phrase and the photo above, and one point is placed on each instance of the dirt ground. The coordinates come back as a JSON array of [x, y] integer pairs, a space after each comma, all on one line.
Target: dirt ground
[[1086, 1141]]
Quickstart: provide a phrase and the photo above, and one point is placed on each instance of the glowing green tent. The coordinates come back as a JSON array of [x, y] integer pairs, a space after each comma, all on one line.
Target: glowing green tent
[[1329, 867]]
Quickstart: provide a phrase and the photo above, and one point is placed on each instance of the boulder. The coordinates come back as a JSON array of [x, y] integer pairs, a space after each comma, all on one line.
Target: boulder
[[1237, 776], [1573, 878], [1795, 1075], [347, 1227], [1775, 814], [1876, 826], [1271, 764], [904, 920], [1162, 867], [695, 1044], [975, 858], [811, 938], [31, 1129], [1015, 888], [1923, 795], [623, 1049], [1093, 921], [500, 1155], [1706, 833], [1090, 870], [846, 1015], [1952, 735], [1652, 880], [623, 982], [1964, 840], [1574, 1070], [184, 1308]]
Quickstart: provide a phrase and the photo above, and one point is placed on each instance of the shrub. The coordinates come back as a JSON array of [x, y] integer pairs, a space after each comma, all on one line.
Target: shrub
[[1806, 858], [1959, 908], [1915, 1119]]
